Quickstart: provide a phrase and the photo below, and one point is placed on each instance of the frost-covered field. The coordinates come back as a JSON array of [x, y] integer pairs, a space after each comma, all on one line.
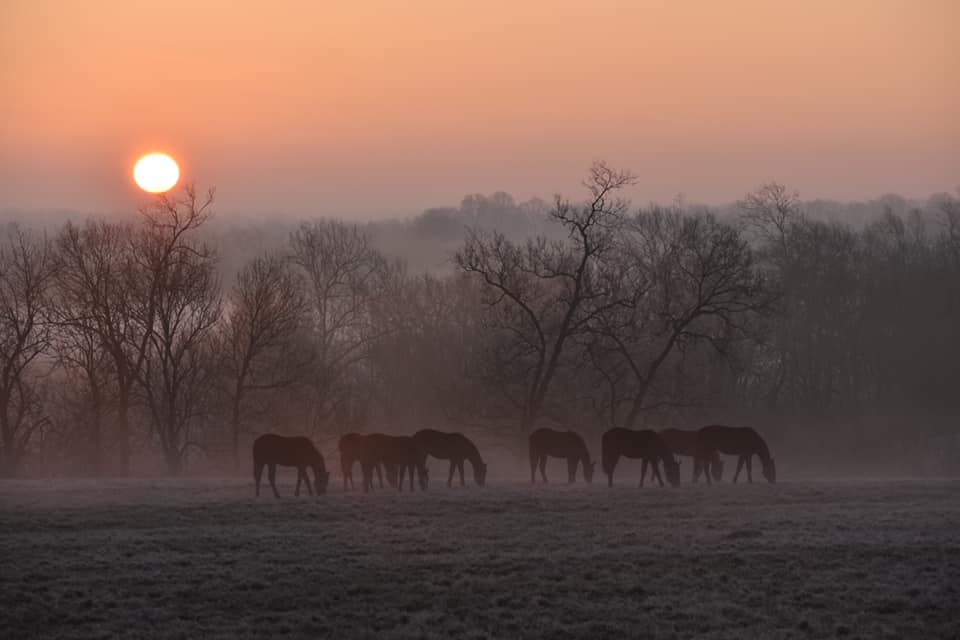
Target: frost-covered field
[[203, 558]]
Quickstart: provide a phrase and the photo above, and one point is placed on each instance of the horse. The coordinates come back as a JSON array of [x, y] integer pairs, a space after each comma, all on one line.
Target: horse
[[271, 450], [735, 441], [559, 444], [684, 443], [351, 451], [646, 445], [456, 448], [402, 451]]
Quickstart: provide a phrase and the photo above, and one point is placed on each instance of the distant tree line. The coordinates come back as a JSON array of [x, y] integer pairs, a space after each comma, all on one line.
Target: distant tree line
[[124, 343]]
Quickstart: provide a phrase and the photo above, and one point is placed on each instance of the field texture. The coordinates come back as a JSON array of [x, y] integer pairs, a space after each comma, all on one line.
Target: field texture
[[203, 558]]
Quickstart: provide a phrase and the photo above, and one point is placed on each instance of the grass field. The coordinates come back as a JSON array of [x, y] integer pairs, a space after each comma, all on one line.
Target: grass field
[[203, 558]]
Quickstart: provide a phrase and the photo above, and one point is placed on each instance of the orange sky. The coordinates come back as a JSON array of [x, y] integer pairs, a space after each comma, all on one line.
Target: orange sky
[[386, 108]]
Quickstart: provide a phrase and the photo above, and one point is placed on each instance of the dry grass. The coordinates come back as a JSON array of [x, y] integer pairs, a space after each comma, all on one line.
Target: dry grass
[[205, 559]]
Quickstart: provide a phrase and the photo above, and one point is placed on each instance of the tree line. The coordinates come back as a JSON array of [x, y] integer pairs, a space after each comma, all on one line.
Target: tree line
[[124, 344]]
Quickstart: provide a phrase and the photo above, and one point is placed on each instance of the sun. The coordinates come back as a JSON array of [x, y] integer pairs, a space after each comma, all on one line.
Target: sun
[[156, 173]]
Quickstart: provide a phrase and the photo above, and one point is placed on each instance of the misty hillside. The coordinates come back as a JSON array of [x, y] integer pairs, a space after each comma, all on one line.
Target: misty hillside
[[426, 241]]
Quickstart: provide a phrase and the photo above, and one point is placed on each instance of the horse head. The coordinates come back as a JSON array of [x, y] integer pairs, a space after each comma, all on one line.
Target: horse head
[[480, 473], [770, 470], [322, 477]]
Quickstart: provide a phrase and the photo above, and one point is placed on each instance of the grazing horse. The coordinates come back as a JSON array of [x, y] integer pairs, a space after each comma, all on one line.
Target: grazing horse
[[271, 450], [456, 448], [646, 445], [559, 444], [734, 441], [401, 451], [684, 443], [351, 451]]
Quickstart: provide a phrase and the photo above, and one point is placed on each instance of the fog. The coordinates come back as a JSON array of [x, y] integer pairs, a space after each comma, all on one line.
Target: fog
[[163, 343]]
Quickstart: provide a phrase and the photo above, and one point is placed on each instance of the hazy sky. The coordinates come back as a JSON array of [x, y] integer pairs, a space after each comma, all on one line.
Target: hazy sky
[[386, 108]]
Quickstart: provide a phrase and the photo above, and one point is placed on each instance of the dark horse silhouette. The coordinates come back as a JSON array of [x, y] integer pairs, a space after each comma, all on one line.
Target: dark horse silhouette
[[456, 448], [271, 450], [559, 444], [683, 442], [351, 451], [646, 445], [402, 451], [735, 441]]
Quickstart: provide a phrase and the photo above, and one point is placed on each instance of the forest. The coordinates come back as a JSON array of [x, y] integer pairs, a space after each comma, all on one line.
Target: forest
[[164, 343]]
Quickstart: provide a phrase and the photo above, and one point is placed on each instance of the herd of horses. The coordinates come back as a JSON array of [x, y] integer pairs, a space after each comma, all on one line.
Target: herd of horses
[[400, 457]]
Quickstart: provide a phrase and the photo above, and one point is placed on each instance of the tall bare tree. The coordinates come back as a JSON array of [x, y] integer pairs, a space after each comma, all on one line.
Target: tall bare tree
[[89, 379], [265, 309], [178, 304], [95, 331], [542, 293], [345, 277], [27, 271], [693, 279]]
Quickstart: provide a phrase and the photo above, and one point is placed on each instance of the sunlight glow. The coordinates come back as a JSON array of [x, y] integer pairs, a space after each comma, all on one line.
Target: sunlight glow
[[156, 173]]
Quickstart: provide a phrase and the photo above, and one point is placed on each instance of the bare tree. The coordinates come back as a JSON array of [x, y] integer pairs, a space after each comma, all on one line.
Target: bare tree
[[176, 301], [950, 220], [94, 330], [693, 281], [771, 212], [27, 272], [543, 293], [345, 276], [265, 309], [89, 379], [110, 281]]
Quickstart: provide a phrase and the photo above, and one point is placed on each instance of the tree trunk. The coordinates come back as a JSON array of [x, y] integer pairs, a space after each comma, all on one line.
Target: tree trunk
[[8, 455], [174, 461], [123, 422], [95, 444], [235, 424]]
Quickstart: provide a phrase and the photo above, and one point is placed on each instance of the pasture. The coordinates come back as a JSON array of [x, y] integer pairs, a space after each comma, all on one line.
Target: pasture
[[204, 558]]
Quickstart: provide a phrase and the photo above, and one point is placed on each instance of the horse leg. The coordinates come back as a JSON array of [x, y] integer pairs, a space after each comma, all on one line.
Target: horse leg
[[257, 473], [364, 475], [750, 469], [296, 492], [460, 467], [543, 468], [739, 467], [656, 472], [609, 469], [533, 467], [571, 470], [700, 465], [379, 475], [410, 471], [453, 467], [306, 480], [643, 471], [272, 476]]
